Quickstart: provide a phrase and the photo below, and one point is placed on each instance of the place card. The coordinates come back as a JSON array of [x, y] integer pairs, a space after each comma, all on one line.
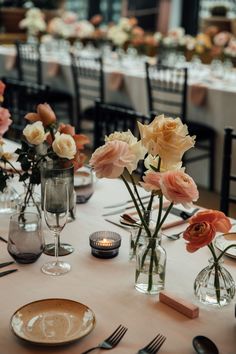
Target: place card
[[181, 305]]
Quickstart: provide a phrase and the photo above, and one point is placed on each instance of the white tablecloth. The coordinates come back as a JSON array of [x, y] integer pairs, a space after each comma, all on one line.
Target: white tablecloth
[[218, 112], [107, 287]]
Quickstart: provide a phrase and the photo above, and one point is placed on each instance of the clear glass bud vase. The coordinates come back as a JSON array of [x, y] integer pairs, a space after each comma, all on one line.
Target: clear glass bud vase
[[138, 234], [214, 285], [150, 266], [29, 201]]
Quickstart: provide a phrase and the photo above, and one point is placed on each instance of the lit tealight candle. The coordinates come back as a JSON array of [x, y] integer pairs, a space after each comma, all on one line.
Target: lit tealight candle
[[105, 244]]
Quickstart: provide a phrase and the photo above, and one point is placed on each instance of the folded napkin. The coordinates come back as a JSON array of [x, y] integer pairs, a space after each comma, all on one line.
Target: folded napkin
[[115, 81], [198, 95], [53, 69], [10, 62], [171, 221]]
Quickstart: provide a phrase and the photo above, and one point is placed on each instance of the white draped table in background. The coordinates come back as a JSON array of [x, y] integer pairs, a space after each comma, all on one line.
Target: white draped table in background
[[217, 112], [107, 287]]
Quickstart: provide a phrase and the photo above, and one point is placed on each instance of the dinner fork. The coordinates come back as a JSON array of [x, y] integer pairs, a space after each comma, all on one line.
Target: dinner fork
[[154, 346], [111, 341]]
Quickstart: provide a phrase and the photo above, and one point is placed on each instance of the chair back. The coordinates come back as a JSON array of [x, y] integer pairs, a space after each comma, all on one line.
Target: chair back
[[29, 65], [228, 176], [167, 90], [20, 98], [110, 118], [88, 80]]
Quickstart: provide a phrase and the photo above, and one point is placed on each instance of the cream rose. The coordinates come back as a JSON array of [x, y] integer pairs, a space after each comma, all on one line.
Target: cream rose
[[34, 133], [64, 146], [166, 137]]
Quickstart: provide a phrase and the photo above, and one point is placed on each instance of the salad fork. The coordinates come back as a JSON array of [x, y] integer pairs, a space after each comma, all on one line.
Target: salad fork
[[154, 346], [112, 341]]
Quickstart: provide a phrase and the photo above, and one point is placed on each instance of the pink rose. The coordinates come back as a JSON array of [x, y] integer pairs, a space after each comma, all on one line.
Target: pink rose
[[221, 39], [199, 235], [5, 120], [151, 181], [178, 187], [110, 159], [216, 218], [66, 129]]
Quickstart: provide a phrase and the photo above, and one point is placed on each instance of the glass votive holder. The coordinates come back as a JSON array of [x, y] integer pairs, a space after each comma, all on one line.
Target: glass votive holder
[[105, 244]]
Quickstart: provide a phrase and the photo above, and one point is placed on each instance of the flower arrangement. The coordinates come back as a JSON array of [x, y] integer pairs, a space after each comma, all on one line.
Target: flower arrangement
[[161, 146], [34, 22], [201, 232], [68, 26], [56, 141]]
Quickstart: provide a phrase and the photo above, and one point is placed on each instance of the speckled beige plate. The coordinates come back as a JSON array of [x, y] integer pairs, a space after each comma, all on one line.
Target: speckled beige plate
[[225, 240], [52, 321]]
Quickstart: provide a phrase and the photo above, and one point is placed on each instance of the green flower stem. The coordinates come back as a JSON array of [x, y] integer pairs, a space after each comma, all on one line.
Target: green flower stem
[[225, 250], [159, 224], [217, 267], [136, 192], [143, 221], [150, 273]]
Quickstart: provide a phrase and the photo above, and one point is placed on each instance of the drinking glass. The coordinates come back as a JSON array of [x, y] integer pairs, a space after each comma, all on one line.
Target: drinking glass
[[56, 208], [25, 240], [63, 170]]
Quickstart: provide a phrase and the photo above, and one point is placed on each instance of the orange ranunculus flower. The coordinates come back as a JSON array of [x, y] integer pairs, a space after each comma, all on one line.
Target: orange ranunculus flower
[[216, 218], [45, 114], [198, 235], [5, 120], [80, 141], [133, 21], [66, 129]]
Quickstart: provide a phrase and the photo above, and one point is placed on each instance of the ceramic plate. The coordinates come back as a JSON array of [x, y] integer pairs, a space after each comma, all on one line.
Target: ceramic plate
[[52, 321], [225, 240]]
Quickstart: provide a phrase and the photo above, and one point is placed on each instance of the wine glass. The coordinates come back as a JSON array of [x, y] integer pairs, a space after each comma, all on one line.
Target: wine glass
[[56, 208], [63, 170]]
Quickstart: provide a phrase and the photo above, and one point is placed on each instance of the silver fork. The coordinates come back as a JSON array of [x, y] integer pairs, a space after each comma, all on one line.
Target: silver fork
[[154, 346], [111, 341]]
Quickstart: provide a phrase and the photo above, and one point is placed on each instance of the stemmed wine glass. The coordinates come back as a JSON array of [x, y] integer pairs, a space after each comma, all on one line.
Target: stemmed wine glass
[[56, 208]]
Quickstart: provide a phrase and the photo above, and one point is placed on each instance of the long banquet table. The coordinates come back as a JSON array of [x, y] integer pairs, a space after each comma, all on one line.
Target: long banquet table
[[107, 287], [217, 112]]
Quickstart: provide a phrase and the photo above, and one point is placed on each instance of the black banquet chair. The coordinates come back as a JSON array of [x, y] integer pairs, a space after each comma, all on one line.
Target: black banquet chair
[[87, 73], [20, 98], [226, 197], [29, 68], [167, 93], [111, 118]]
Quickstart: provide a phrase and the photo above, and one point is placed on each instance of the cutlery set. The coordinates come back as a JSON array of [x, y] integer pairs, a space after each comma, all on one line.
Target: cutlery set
[[114, 339]]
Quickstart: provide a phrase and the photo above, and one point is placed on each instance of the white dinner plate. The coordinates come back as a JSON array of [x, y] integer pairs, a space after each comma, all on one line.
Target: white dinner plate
[[225, 240], [52, 321]]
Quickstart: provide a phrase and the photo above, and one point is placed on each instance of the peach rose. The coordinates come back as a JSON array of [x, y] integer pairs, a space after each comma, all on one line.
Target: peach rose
[[216, 218], [166, 137], [34, 133], [151, 181], [199, 235], [78, 160], [110, 160], [64, 146], [5, 120], [44, 114], [178, 187]]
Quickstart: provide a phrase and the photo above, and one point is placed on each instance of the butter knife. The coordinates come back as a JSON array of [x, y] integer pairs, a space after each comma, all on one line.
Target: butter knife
[[2, 274]]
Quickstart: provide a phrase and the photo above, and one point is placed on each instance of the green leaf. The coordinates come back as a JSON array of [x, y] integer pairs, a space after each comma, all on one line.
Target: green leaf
[[25, 164], [24, 176]]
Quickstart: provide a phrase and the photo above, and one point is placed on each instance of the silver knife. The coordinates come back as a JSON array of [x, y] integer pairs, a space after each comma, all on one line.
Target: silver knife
[[124, 203], [182, 213], [2, 274]]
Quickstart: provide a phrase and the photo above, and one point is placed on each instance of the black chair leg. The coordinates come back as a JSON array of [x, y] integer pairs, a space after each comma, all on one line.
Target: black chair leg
[[212, 165]]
